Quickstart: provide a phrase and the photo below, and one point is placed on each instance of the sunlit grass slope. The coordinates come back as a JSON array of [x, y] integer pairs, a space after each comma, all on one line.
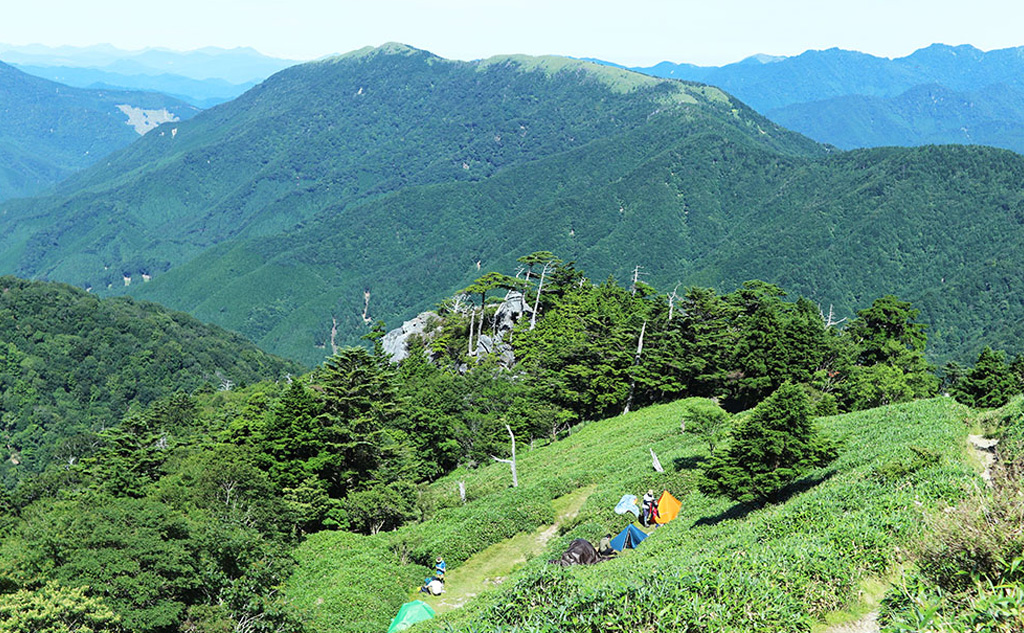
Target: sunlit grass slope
[[718, 567]]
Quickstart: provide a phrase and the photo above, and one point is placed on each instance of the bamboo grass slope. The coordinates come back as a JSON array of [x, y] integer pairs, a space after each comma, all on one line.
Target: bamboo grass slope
[[718, 566]]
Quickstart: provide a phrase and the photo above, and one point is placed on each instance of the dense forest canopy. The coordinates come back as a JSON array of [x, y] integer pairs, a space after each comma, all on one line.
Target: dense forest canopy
[[72, 365], [50, 131]]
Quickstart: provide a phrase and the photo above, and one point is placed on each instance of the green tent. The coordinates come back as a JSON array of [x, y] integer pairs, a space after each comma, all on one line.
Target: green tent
[[409, 614]]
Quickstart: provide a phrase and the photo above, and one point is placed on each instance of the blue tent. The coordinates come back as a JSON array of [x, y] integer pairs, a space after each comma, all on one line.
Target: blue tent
[[629, 537], [628, 504]]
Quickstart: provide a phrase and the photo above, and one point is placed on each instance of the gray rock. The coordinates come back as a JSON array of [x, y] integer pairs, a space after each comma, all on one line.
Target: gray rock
[[485, 345], [506, 355], [512, 309], [396, 341]]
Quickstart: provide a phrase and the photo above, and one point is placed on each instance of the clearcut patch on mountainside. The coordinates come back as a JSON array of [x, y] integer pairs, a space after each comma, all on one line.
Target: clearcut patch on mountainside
[[145, 120]]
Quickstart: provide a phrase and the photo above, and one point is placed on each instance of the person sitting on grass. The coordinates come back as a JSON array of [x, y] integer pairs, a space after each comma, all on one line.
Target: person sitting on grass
[[432, 586]]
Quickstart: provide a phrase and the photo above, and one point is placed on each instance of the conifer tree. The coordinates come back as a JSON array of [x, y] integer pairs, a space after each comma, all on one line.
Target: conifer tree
[[774, 446], [890, 366], [991, 383]]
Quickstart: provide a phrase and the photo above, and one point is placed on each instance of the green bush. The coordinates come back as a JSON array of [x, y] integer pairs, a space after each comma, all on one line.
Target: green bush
[[56, 609], [349, 583], [458, 533]]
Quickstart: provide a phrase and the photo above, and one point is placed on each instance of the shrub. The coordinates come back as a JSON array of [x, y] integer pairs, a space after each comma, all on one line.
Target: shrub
[[898, 470], [56, 609]]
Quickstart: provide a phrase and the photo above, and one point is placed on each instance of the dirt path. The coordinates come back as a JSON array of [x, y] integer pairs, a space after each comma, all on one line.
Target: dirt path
[[867, 624], [492, 566], [985, 449]]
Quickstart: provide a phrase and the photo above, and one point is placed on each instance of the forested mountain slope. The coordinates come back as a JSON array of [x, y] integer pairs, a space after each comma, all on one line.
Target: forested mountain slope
[[362, 188], [202, 93], [49, 130], [192, 513], [72, 365], [993, 115], [314, 141], [766, 83]]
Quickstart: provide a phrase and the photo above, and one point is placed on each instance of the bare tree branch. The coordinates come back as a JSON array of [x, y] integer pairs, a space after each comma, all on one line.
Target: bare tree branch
[[829, 321]]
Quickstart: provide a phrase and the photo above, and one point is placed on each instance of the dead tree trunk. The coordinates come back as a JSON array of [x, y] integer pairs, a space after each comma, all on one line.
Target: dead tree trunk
[[480, 328], [636, 361], [636, 278], [672, 302], [829, 320], [510, 462], [656, 463], [536, 302]]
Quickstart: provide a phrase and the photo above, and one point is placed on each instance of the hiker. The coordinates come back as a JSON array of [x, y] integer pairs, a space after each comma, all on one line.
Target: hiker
[[432, 586], [605, 548], [439, 569], [649, 509]]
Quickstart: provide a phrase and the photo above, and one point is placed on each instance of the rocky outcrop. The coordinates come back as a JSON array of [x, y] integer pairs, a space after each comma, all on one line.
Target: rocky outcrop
[[505, 317], [396, 341], [513, 308]]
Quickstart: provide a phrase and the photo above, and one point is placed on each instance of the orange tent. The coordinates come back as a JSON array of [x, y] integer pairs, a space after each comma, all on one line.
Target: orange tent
[[668, 507]]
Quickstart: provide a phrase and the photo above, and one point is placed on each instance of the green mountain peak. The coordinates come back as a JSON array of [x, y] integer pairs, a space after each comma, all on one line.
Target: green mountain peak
[[388, 48]]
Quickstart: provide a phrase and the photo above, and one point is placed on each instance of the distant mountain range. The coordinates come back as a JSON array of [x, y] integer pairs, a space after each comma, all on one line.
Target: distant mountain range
[[203, 77], [925, 114], [202, 93], [367, 186], [49, 130], [939, 94]]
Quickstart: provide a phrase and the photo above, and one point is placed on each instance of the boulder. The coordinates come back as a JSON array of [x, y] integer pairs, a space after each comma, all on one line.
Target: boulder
[[395, 342], [580, 552]]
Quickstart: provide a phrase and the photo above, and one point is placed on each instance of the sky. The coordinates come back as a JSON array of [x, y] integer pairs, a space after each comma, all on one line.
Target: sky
[[637, 33]]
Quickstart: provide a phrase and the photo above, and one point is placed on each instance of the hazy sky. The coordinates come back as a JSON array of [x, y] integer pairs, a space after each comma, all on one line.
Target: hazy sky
[[708, 32]]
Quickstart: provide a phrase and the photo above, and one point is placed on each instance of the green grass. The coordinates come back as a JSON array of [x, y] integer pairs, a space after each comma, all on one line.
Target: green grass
[[490, 568], [718, 567]]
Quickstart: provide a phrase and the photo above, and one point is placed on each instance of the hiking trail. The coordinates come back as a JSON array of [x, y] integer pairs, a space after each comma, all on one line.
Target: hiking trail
[[984, 449], [492, 566]]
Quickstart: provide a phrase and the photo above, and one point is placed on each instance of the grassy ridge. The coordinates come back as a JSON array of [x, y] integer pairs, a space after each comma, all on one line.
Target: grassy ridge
[[717, 567]]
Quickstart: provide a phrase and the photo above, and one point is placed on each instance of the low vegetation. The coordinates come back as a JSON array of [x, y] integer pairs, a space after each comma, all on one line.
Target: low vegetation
[[970, 561]]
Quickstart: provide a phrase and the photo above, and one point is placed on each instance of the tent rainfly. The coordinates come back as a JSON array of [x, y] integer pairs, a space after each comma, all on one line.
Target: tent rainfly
[[627, 504], [668, 508], [409, 614], [630, 537]]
